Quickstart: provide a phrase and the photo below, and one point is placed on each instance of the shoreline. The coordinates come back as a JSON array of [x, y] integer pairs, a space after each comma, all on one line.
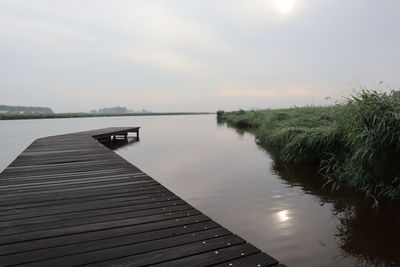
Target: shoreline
[[88, 115]]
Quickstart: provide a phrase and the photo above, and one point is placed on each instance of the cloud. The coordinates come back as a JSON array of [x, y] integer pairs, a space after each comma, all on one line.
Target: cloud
[[292, 91], [167, 40], [164, 60]]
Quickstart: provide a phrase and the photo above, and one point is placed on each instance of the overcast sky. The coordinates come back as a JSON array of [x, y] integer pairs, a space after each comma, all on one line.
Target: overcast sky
[[199, 55]]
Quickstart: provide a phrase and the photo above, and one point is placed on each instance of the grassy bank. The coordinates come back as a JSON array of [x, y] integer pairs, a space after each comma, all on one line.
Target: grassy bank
[[357, 143], [7, 116]]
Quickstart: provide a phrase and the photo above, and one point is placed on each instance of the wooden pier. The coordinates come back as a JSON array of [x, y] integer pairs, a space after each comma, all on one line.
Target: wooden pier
[[67, 200]]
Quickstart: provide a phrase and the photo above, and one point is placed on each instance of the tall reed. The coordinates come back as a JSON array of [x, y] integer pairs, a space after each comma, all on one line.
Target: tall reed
[[356, 143]]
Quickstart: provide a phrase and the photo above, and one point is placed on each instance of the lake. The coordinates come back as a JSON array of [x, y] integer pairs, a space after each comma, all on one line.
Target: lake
[[221, 171]]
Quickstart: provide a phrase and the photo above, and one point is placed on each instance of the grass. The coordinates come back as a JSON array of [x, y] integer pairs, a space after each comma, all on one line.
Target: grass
[[356, 143]]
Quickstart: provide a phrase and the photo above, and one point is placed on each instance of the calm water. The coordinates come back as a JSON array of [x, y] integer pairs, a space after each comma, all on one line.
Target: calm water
[[281, 209]]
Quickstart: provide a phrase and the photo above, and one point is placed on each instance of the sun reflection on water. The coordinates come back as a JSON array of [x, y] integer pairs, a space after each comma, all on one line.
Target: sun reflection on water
[[283, 216]]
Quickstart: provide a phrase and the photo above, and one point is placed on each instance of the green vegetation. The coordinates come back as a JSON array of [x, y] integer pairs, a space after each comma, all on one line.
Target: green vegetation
[[4, 109], [8, 116], [357, 143]]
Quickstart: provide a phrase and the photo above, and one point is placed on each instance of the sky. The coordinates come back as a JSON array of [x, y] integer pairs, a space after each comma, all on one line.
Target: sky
[[185, 55]]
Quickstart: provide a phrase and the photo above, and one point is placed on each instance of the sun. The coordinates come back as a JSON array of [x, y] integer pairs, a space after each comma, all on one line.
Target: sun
[[284, 6]]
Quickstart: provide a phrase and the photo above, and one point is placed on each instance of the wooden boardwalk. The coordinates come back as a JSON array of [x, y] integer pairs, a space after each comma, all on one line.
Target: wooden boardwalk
[[67, 200]]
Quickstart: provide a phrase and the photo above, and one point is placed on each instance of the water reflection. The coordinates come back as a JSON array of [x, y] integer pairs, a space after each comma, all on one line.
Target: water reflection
[[370, 236], [283, 216], [115, 144]]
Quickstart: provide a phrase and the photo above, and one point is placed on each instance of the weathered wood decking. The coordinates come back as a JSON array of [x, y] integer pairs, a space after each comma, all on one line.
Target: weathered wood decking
[[69, 201]]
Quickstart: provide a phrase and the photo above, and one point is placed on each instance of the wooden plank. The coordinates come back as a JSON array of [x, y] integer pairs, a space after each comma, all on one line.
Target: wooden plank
[[176, 252], [44, 219], [93, 257], [87, 221], [82, 228], [87, 193], [88, 205], [101, 234], [60, 254], [34, 187], [41, 203], [228, 251], [253, 260], [110, 186]]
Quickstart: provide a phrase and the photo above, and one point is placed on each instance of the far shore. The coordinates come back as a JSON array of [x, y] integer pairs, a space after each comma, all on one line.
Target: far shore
[[9, 116]]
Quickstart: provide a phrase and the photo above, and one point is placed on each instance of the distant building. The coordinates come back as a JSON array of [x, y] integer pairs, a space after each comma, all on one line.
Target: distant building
[[117, 110], [113, 110]]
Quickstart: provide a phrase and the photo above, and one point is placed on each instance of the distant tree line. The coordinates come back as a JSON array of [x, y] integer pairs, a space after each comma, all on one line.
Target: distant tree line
[[24, 116], [25, 110]]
